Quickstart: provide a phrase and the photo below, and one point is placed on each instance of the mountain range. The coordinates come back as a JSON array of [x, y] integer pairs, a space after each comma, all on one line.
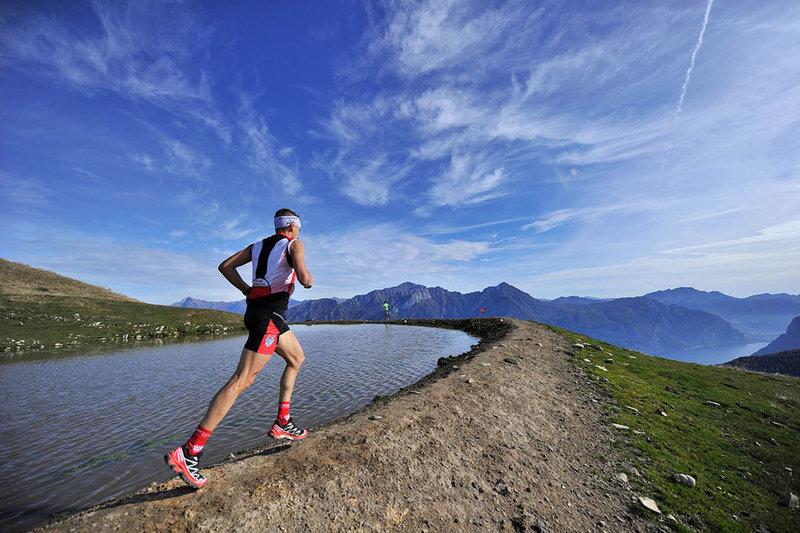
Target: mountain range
[[760, 318], [788, 341], [238, 306], [658, 322]]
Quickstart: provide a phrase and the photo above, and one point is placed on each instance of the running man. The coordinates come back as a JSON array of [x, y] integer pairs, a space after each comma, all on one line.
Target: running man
[[277, 261], [385, 310]]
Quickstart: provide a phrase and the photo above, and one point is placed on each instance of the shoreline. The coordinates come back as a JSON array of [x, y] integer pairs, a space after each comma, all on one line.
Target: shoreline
[[469, 445]]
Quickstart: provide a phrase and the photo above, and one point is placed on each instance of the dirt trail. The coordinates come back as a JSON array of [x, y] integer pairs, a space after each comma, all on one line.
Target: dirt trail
[[481, 445]]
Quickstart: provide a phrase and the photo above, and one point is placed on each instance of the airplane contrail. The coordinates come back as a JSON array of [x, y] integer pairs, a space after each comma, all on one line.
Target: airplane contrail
[[679, 110]]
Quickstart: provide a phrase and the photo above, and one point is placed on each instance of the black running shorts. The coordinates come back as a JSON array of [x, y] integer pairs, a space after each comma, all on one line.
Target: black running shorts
[[265, 325]]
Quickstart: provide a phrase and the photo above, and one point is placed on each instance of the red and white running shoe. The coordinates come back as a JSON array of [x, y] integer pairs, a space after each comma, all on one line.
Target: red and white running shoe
[[186, 466], [287, 431]]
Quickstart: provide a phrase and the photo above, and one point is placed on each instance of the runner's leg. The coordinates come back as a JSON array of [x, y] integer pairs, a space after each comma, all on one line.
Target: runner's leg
[[250, 364], [289, 348]]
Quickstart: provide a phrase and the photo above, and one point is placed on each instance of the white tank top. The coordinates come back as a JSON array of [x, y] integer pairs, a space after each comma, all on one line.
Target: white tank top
[[279, 274]]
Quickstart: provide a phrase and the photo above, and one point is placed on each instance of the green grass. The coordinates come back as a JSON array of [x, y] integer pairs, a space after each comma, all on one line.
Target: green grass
[[41, 310], [739, 453], [44, 323]]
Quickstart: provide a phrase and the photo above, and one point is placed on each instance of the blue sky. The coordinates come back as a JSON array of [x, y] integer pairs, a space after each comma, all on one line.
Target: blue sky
[[568, 148]]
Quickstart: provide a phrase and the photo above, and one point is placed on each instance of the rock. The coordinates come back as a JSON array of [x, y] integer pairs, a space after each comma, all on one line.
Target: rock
[[604, 369], [609, 361], [683, 479], [671, 389], [619, 426], [662, 413], [778, 425], [635, 410], [587, 361], [539, 344], [635, 472], [631, 357], [376, 417], [478, 486], [672, 519], [470, 380], [486, 364], [511, 361], [502, 489], [594, 347], [622, 476], [231, 456], [713, 404], [541, 526], [578, 346], [501, 345], [650, 504], [790, 501]]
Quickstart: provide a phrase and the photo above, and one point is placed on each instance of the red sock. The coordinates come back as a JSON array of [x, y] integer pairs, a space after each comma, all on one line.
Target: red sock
[[283, 412], [198, 440]]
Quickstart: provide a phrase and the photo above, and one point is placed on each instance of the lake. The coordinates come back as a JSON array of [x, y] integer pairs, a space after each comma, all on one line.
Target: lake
[[78, 430], [714, 355]]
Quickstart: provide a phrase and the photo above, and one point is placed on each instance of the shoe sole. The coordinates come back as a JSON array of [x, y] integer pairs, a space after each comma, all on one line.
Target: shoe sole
[[286, 436], [186, 479]]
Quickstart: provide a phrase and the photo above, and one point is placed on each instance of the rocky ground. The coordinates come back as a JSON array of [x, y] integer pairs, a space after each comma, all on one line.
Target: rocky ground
[[509, 437]]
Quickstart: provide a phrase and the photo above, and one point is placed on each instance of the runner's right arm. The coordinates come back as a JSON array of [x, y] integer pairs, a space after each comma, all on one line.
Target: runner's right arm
[[228, 269]]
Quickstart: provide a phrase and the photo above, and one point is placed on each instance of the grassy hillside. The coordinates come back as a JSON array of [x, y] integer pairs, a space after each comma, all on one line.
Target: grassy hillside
[[42, 310], [743, 449]]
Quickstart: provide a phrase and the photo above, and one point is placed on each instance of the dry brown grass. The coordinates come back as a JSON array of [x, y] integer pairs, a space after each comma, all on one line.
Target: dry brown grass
[[29, 283]]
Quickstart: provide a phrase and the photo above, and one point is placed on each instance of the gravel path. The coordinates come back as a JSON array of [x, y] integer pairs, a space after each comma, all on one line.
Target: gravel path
[[509, 437]]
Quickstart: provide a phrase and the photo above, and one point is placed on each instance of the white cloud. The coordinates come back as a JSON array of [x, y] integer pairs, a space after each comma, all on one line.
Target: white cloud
[[130, 55], [467, 182], [386, 255], [264, 154], [787, 231], [143, 159], [561, 217], [440, 34], [24, 193], [182, 159]]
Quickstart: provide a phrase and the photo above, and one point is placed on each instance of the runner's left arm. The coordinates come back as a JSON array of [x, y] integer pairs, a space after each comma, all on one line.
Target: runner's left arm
[[299, 259], [228, 269]]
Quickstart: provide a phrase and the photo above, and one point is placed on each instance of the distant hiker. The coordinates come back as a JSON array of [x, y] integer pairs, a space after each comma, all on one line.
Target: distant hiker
[[277, 261], [385, 310], [483, 310]]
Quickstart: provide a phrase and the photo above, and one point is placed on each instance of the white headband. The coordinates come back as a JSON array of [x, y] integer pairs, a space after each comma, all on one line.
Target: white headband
[[286, 221]]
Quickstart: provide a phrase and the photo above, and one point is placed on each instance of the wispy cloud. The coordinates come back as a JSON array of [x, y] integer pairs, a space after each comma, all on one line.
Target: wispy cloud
[[274, 163], [438, 35], [787, 231], [182, 159], [561, 217], [467, 183], [127, 54], [24, 193], [394, 256]]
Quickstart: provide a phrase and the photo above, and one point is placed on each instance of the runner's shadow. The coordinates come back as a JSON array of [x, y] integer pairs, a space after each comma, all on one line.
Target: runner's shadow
[[272, 450], [146, 497], [176, 492]]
